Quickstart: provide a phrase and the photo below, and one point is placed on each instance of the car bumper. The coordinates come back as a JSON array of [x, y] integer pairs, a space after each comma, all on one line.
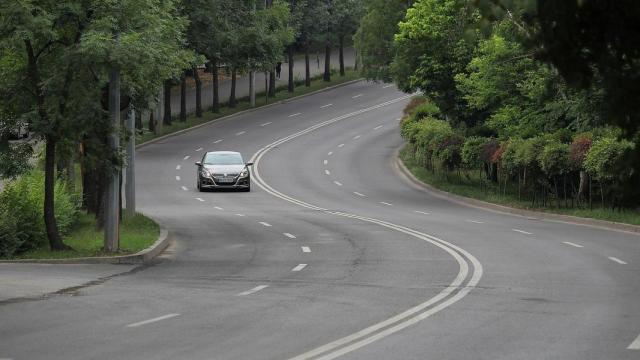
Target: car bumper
[[241, 183]]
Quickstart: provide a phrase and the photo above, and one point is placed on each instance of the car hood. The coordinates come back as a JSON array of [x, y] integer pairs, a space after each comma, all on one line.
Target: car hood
[[224, 169]]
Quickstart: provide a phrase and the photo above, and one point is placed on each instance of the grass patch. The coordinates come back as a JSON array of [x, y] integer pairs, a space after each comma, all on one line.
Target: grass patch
[[472, 187], [136, 233], [243, 104]]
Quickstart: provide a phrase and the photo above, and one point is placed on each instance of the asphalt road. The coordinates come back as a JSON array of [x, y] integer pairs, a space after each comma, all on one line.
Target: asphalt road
[[335, 255]]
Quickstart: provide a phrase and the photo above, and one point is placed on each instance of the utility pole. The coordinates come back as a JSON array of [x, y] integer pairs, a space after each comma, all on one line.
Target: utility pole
[[130, 187], [112, 208], [252, 77]]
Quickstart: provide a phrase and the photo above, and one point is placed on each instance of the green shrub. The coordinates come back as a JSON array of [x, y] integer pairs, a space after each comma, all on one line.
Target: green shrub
[[605, 157], [554, 158], [471, 150], [510, 161], [426, 110], [21, 213]]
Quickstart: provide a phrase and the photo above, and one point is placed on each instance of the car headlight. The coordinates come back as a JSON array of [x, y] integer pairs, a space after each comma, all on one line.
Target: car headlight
[[244, 173], [205, 173]]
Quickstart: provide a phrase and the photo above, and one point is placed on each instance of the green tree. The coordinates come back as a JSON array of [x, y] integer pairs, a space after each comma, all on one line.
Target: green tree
[[347, 14]]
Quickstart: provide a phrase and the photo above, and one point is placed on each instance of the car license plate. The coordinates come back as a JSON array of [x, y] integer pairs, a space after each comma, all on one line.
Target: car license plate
[[227, 180]]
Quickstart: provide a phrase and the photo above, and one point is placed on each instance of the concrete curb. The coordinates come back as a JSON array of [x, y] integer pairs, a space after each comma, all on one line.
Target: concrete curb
[[227, 117], [530, 214], [141, 257]]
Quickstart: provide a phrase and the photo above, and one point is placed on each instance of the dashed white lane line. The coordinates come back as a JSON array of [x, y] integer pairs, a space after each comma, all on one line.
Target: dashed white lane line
[[218, 208], [185, 188], [341, 145], [635, 345], [254, 290], [218, 141], [385, 203], [388, 86], [615, 259], [200, 199], [296, 114], [377, 127], [177, 178], [240, 133], [325, 162], [305, 249], [199, 149], [290, 236], [264, 224], [572, 244], [178, 167], [356, 96], [522, 232], [421, 212], [330, 153], [186, 157], [241, 215], [159, 318], [337, 183], [267, 123], [359, 194], [325, 106], [475, 221], [357, 137], [327, 172], [299, 267]]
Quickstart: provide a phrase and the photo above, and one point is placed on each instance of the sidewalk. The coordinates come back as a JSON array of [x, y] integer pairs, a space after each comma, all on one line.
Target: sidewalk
[[242, 83]]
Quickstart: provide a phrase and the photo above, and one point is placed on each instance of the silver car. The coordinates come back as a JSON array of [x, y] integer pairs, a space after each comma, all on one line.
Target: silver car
[[223, 170]]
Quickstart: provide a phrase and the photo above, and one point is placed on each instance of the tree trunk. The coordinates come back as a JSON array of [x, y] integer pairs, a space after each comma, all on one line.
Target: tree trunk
[[272, 83], [342, 73], [355, 62], [232, 95], [183, 98], [152, 123], [291, 86], [55, 241], [196, 78], [307, 70], [138, 120], [327, 62], [216, 86], [583, 184], [167, 103]]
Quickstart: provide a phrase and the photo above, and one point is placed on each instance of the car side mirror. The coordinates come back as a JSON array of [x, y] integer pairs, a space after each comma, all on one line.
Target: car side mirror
[[198, 163], [248, 164]]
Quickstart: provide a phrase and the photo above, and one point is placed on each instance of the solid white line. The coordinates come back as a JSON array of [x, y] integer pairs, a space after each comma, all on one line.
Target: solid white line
[[240, 133], [385, 203], [299, 267], [572, 244], [177, 178], [265, 224], [388, 86], [296, 114], [218, 208], [200, 199], [305, 249], [267, 123], [159, 318], [421, 212], [240, 215], [254, 290], [325, 162], [327, 172], [185, 188], [330, 153], [324, 106], [217, 141], [357, 96], [356, 137], [635, 345], [337, 183], [178, 167], [199, 149], [475, 221], [377, 127], [186, 157], [341, 145], [291, 236], [617, 260], [359, 194], [522, 232]]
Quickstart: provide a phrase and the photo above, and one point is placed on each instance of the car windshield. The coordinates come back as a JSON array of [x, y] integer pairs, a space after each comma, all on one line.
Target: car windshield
[[223, 159]]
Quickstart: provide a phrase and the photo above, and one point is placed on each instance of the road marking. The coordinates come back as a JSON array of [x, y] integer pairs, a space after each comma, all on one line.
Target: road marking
[[330, 153], [185, 188], [199, 149], [324, 106], [337, 183], [522, 232], [186, 157], [617, 260], [388, 86], [356, 137], [218, 208], [475, 221], [305, 249], [218, 141], [299, 267], [341, 145], [377, 127], [254, 290], [267, 123], [398, 119], [572, 244], [291, 236], [159, 318], [357, 96], [635, 345], [177, 178], [385, 203], [178, 167], [240, 215], [296, 114], [200, 199], [421, 212], [359, 194], [327, 172], [265, 224], [240, 133], [325, 162]]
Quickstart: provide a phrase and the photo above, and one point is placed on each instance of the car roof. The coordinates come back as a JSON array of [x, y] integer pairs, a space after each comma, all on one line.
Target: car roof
[[222, 152]]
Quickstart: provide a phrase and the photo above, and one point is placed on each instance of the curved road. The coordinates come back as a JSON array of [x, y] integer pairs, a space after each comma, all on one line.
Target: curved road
[[335, 254]]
